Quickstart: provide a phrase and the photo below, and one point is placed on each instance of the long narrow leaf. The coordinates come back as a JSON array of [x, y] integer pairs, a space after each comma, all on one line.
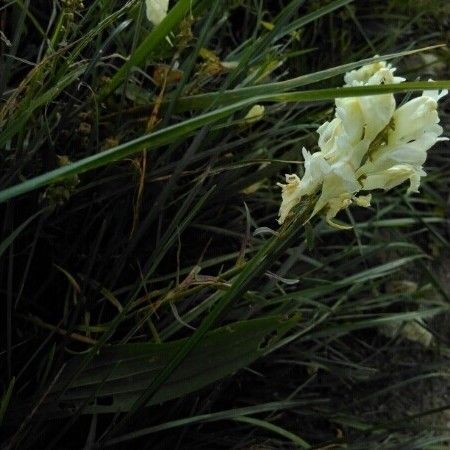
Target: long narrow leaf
[[185, 128], [128, 368]]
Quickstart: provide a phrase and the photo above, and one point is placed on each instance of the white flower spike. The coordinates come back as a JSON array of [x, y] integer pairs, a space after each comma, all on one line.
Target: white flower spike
[[368, 145]]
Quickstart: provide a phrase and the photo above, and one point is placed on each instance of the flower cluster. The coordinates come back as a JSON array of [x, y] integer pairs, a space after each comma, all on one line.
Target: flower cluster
[[370, 144]]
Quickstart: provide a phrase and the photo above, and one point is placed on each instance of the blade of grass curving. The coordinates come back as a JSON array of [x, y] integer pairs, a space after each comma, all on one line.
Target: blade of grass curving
[[149, 141], [16, 124], [134, 42], [296, 440], [170, 235], [261, 94], [102, 50], [10, 239], [189, 64], [311, 17], [122, 314], [257, 48], [92, 32], [121, 372], [18, 31], [82, 363], [6, 397], [254, 268], [345, 328], [204, 418], [230, 96], [185, 128]]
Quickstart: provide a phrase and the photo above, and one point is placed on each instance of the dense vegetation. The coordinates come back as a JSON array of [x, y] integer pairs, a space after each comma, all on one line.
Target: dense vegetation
[[138, 212]]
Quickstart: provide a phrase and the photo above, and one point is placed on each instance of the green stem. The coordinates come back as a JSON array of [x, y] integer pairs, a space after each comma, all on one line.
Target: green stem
[[263, 259]]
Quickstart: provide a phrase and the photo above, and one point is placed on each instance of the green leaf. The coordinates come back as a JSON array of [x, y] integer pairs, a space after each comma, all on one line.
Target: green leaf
[[20, 119], [211, 417], [6, 397], [150, 43], [229, 96], [185, 128], [298, 441], [128, 368], [9, 240]]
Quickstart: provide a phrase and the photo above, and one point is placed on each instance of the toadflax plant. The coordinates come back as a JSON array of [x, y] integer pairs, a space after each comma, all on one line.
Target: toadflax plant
[[368, 145]]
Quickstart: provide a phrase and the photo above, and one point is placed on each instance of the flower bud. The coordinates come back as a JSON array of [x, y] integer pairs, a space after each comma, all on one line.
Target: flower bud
[[156, 10]]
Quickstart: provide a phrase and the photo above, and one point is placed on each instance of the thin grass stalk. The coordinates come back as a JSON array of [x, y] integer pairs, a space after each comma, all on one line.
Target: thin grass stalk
[[262, 260]]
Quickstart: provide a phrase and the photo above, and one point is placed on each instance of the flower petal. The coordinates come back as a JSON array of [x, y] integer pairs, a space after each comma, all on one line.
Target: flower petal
[[156, 10]]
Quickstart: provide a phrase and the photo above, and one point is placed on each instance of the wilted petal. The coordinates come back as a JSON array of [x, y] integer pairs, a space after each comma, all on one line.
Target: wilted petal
[[335, 205], [290, 194], [316, 168], [414, 180]]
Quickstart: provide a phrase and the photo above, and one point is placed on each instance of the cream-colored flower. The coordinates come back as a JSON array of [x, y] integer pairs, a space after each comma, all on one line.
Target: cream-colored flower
[[350, 113], [335, 205], [340, 180], [372, 74], [329, 134], [368, 145], [415, 130], [156, 10]]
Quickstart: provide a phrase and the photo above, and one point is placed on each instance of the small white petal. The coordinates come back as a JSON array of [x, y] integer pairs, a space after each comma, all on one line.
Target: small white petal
[[372, 74], [156, 10]]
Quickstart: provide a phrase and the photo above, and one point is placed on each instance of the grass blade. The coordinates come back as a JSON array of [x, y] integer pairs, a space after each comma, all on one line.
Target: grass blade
[[185, 128]]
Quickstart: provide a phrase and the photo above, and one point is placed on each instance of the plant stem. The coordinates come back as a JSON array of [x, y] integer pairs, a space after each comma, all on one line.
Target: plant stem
[[263, 259]]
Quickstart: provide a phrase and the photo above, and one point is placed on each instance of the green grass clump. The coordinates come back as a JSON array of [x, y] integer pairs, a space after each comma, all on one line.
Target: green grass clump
[[149, 296]]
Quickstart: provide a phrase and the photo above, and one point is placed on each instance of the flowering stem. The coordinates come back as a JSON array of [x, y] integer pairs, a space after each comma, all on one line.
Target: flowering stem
[[255, 267]]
